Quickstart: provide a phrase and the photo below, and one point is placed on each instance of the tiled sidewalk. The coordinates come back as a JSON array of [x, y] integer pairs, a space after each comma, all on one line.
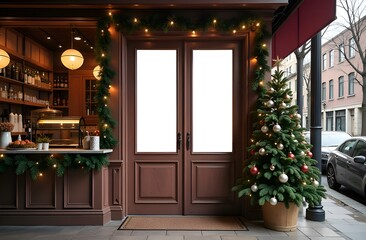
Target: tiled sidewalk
[[342, 222]]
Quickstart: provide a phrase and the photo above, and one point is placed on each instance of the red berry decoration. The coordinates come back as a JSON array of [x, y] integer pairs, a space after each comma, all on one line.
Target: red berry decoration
[[304, 168], [254, 170], [310, 154], [291, 155], [252, 151]]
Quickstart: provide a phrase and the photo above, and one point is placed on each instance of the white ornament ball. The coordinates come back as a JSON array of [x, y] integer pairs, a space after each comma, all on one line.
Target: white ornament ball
[[302, 153], [298, 126], [254, 187], [272, 167], [264, 129], [283, 178], [283, 105], [270, 103], [271, 90], [298, 116], [287, 96], [262, 151], [277, 128], [316, 183], [257, 143], [273, 201], [280, 146]]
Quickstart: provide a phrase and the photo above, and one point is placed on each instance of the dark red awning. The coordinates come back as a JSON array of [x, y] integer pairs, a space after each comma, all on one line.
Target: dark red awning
[[303, 23]]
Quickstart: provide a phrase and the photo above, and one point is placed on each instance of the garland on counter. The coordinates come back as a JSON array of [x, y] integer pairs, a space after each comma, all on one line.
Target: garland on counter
[[150, 23], [39, 164]]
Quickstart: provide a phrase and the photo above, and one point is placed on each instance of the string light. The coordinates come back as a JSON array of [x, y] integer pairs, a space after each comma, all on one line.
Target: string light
[[234, 31], [135, 20], [171, 23], [2, 155], [40, 174], [264, 45], [105, 97], [146, 30], [54, 165], [243, 27], [110, 13], [214, 21]]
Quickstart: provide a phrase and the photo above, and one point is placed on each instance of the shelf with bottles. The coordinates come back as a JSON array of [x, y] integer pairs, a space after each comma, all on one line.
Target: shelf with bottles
[[90, 93], [60, 81]]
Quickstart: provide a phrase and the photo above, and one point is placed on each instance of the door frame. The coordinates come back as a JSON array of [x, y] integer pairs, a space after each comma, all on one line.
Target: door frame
[[240, 99]]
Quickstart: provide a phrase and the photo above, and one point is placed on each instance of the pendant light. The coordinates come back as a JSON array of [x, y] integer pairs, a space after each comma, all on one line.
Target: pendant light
[[97, 71], [72, 58], [4, 59]]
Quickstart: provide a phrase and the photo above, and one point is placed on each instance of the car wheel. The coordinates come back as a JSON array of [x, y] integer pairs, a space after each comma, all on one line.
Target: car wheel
[[331, 178]]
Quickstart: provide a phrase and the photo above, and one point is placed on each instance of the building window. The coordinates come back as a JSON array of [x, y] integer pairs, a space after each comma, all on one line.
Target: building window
[[341, 53], [341, 86], [340, 120], [329, 121], [331, 58], [324, 88], [352, 50], [331, 87], [351, 83], [324, 61]]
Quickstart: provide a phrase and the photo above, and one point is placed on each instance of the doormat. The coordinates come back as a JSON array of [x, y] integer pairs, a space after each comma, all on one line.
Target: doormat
[[181, 223]]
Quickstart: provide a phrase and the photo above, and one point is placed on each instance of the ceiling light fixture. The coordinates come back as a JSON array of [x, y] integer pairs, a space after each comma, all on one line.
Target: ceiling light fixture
[[97, 71], [4, 59], [72, 58]]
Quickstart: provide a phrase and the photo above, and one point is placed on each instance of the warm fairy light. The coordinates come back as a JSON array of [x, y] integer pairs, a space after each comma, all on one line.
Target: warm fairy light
[[135, 20], [243, 27], [234, 31], [110, 13], [105, 136], [105, 105], [146, 30], [40, 174], [79, 162], [214, 21], [171, 23], [54, 165], [103, 55], [51, 156], [2, 155], [110, 86], [37, 163], [258, 24], [105, 125], [261, 83], [264, 45], [105, 97], [260, 68]]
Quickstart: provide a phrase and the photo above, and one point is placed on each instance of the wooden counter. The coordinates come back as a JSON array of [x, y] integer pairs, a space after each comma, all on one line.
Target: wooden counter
[[56, 150], [77, 197]]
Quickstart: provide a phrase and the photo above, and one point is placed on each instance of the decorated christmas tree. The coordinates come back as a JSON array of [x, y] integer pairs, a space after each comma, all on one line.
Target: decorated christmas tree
[[279, 167]]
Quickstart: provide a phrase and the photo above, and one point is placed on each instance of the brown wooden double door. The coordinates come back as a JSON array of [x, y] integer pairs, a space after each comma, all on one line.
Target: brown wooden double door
[[183, 128]]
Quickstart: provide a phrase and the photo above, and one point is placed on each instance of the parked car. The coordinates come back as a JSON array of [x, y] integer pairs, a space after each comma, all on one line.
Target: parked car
[[346, 165], [330, 140]]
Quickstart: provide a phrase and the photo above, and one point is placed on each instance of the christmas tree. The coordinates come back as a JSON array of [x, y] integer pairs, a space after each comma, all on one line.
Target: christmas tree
[[280, 165]]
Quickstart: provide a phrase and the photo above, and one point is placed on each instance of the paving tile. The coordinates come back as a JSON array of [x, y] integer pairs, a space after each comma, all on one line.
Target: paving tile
[[202, 238], [310, 232], [327, 232], [147, 233], [165, 237], [210, 233], [128, 238], [184, 233], [238, 238]]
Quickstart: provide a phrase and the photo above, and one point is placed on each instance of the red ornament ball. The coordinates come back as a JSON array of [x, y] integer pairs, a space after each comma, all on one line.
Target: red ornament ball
[[252, 151], [291, 155], [304, 168], [262, 122], [254, 170], [310, 154]]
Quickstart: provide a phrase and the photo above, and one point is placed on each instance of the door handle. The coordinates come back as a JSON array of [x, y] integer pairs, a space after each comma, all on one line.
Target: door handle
[[188, 141], [179, 140]]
